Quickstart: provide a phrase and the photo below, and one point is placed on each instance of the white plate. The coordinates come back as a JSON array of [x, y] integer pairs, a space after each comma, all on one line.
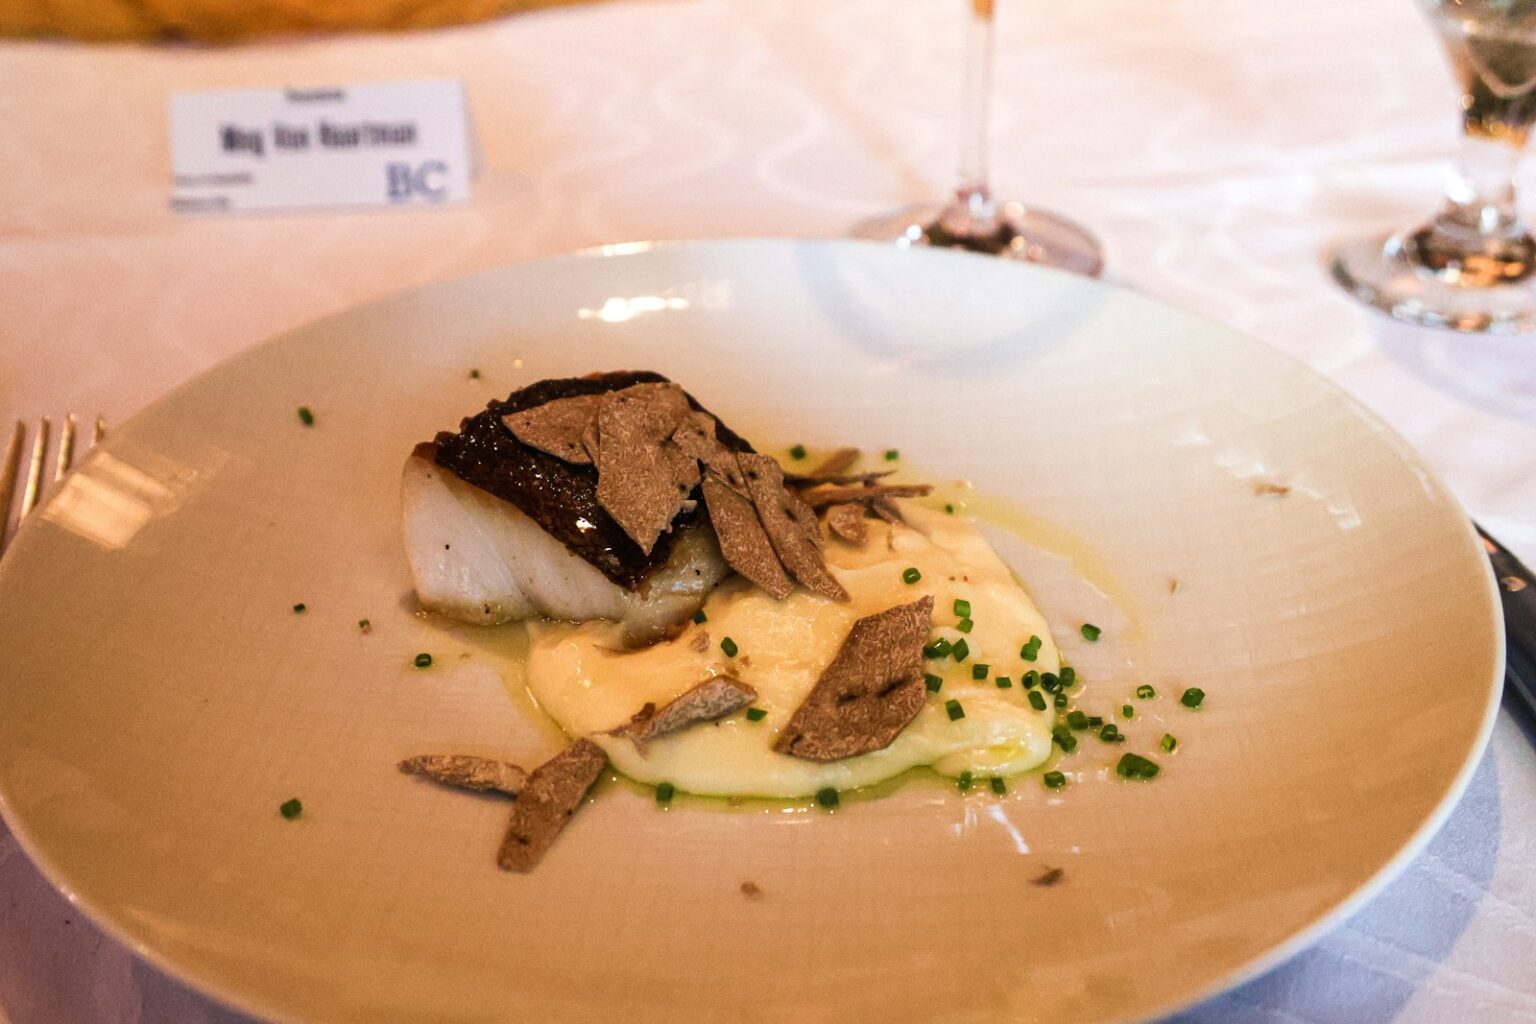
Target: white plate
[[161, 698]]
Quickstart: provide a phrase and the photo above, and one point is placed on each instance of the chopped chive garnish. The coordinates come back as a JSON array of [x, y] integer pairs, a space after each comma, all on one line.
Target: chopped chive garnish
[[1059, 699], [962, 607], [1053, 780], [949, 507], [756, 714], [934, 682], [1145, 692], [980, 670], [797, 452], [1064, 738], [1134, 766], [1192, 697], [1094, 721], [910, 574], [1037, 700], [699, 616], [664, 792], [474, 374], [1091, 632], [999, 786], [940, 648], [364, 625], [1068, 675], [1031, 679], [1031, 649], [1111, 734], [1077, 720], [1126, 711], [423, 660], [291, 809], [954, 710], [305, 416], [828, 797], [891, 455], [1168, 743], [1004, 683], [965, 625], [960, 650], [1050, 682], [729, 647], [963, 781], [299, 607]]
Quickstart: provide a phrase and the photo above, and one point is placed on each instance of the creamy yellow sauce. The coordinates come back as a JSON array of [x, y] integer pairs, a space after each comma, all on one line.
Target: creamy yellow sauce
[[584, 678]]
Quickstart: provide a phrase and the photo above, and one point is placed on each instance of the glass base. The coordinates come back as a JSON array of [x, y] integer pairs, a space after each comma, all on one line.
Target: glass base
[[1019, 233], [1383, 272]]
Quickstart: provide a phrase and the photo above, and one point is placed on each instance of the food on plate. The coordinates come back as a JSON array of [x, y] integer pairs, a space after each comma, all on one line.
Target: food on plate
[[706, 621]]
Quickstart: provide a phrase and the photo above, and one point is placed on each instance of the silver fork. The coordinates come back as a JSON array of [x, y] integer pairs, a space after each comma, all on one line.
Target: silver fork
[[32, 486]]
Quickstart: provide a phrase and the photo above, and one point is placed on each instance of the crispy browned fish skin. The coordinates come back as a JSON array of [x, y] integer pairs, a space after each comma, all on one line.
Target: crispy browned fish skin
[[709, 700], [871, 691], [465, 771], [560, 497], [550, 797]]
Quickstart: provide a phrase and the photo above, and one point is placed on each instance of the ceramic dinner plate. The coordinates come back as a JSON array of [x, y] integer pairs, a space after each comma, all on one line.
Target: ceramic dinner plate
[[1232, 522]]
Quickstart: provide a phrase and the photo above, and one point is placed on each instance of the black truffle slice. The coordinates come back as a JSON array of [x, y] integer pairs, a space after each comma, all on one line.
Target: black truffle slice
[[871, 691], [550, 797], [463, 771], [791, 526], [711, 699], [744, 544]]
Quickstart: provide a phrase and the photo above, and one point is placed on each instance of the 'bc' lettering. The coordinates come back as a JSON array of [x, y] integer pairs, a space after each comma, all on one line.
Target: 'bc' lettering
[[406, 182]]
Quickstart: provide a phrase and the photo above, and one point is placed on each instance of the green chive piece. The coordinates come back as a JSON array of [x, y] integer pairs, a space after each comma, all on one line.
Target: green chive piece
[[934, 682], [291, 808], [364, 625], [940, 648], [1050, 682], [729, 647], [891, 455], [1077, 720], [1111, 734], [980, 670], [954, 710], [1094, 721], [1031, 649], [910, 574], [961, 649], [665, 791], [1192, 697], [962, 608], [1064, 738], [999, 786], [1059, 699], [1037, 700], [1134, 766], [797, 452], [423, 660], [305, 416], [700, 617], [1168, 743], [1126, 711], [756, 714], [963, 781], [1145, 692], [949, 507], [1004, 683], [1031, 679], [299, 607], [1068, 675], [828, 798], [1053, 780], [965, 625], [1091, 632], [474, 374]]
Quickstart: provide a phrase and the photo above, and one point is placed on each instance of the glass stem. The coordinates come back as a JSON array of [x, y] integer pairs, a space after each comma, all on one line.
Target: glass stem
[[1480, 193], [972, 212]]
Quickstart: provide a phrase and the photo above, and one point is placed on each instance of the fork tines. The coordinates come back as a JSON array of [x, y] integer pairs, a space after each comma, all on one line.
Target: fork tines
[[34, 482]]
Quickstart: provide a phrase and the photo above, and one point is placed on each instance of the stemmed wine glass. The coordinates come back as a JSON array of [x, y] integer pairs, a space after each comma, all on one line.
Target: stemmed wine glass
[[1472, 267], [973, 220]]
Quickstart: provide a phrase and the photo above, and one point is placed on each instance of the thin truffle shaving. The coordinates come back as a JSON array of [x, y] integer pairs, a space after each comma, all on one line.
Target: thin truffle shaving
[[556, 427], [791, 526], [847, 522], [744, 544], [712, 699], [643, 479], [823, 495], [463, 771], [550, 797], [871, 691]]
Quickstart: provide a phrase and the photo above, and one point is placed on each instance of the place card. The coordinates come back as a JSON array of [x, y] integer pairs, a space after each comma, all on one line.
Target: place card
[[383, 144]]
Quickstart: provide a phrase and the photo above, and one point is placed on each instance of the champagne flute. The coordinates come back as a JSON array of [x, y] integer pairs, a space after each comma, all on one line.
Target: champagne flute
[[973, 220], [1472, 267]]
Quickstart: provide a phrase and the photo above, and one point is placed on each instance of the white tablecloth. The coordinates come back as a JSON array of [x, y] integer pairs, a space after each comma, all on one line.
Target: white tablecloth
[[1214, 145]]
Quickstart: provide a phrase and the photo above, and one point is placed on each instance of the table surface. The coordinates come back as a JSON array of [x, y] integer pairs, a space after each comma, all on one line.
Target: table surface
[[1214, 147]]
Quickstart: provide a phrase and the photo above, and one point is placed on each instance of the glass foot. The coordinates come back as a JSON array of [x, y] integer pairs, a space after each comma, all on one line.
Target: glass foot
[[1399, 275], [1020, 233]]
